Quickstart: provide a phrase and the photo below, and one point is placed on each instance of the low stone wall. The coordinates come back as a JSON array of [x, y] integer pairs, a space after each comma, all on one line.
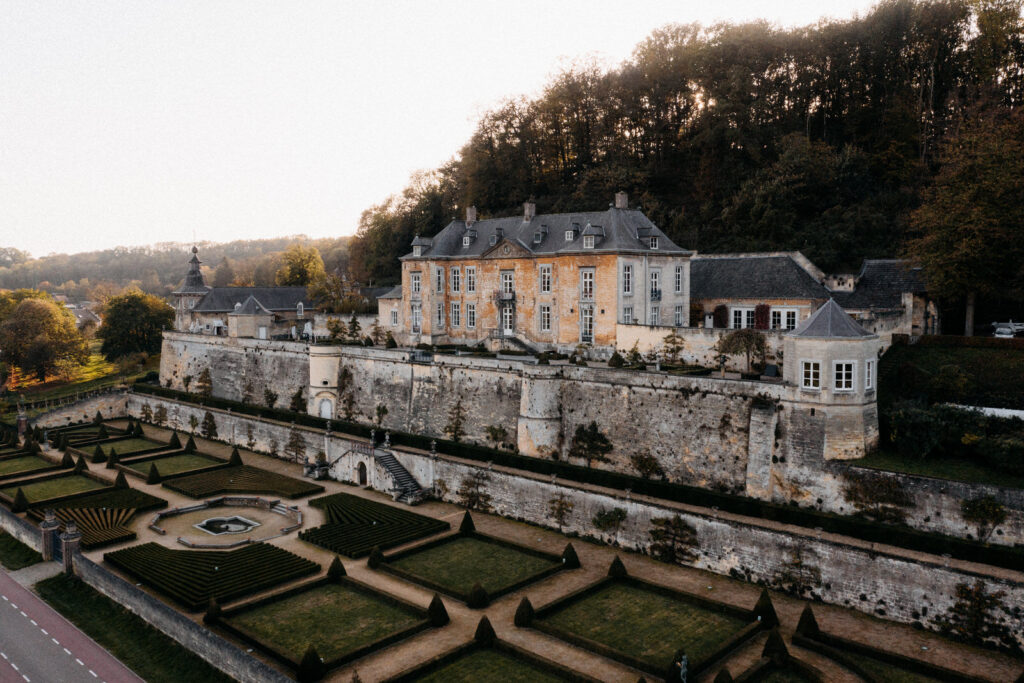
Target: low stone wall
[[110, 405], [868, 579], [218, 652], [698, 343], [20, 529]]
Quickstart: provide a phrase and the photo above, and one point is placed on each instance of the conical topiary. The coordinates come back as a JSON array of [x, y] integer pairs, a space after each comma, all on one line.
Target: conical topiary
[[113, 459], [120, 482], [34, 447], [570, 560], [376, 558], [137, 430], [98, 455], [617, 569], [20, 503], [154, 475], [175, 442], [765, 610], [477, 598], [99, 418], [524, 613], [775, 648], [101, 433], [67, 461], [723, 676], [80, 466], [190, 445], [485, 634], [236, 457], [467, 526], [37, 433], [808, 625], [436, 612], [213, 612], [336, 570], [311, 668]]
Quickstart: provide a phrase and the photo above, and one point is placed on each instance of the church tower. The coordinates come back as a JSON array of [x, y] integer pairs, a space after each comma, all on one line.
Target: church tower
[[192, 290]]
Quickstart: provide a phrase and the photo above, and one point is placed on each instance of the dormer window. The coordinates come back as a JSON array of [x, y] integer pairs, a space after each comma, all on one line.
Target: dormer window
[[417, 251], [654, 243], [493, 240], [466, 241], [588, 241], [537, 237], [570, 235], [299, 309]]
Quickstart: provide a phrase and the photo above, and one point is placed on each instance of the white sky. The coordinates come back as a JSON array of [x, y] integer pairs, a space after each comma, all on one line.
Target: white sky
[[125, 123]]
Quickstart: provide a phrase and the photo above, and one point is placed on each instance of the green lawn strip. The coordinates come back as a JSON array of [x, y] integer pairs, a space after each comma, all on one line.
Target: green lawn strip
[[140, 647], [335, 618], [465, 560], [16, 555], [240, 479], [645, 624], [54, 488], [489, 665], [26, 463], [133, 445], [941, 468], [887, 673], [175, 463]]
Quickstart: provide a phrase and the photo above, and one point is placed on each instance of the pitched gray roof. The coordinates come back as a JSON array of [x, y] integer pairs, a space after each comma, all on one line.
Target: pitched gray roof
[[223, 299], [830, 322], [393, 293], [881, 284], [614, 230], [251, 307], [772, 276]]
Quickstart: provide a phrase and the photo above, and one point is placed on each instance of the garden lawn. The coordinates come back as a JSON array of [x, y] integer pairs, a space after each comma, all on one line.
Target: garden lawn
[[133, 445], [489, 665], [26, 463], [140, 647], [241, 479], [941, 468], [464, 561], [645, 624], [887, 673], [53, 488], [175, 464], [334, 618], [16, 555]]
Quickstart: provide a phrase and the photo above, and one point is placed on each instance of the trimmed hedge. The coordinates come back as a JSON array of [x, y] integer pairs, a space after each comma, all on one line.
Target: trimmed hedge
[[901, 536], [232, 479]]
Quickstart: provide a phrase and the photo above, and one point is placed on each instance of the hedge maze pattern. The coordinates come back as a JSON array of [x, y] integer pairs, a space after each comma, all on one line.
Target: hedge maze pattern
[[355, 525], [103, 517], [241, 479], [193, 577]]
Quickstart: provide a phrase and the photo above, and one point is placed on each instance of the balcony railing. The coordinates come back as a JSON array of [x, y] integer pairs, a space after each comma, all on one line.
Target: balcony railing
[[501, 295], [655, 295]]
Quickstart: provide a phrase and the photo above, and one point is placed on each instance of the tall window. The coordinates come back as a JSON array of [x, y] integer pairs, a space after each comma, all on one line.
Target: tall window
[[545, 318], [742, 317], [810, 371], [456, 280], [414, 282], [783, 319], [655, 315], [587, 284], [470, 316], [655, 283], [570, 235], [416, 315], [869, 375], [471, 279], [394, 318], [627, 315], [586, 324], [679, 280], [627, 279], [439, 279], [842, 375], [299, 310], [440, 314], [508, 283], [545, 279], [456, 314], [678, 318]]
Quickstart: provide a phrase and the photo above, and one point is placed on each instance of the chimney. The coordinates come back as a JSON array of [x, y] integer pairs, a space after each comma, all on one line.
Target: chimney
[[621, 200], [529, 211], [470, 215]]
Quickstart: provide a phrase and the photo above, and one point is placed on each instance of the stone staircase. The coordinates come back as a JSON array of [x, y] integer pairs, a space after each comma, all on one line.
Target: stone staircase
[[406, 487]]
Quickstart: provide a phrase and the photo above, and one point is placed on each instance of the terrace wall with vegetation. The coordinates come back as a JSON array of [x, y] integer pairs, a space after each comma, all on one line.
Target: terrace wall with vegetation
[[114, 404]]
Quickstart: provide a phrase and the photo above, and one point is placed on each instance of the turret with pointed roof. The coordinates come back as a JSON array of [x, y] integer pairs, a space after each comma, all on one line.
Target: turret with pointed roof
[[191, 291]]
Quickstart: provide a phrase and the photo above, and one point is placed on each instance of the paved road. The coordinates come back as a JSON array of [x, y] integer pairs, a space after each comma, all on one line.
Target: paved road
[[39, 645]]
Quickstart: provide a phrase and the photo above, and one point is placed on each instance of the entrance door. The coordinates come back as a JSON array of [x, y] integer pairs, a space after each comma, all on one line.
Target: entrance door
[[361, 474], [508, 321], [326, 408]]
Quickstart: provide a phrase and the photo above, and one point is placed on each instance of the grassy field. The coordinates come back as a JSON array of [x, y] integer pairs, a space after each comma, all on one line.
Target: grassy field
[[336, 619], [133, 445], [462, 562], [26, 463], [646, 625], [176, 463], [140, 647], [16, 555], [942, 468], [489, 665], [52, 488]]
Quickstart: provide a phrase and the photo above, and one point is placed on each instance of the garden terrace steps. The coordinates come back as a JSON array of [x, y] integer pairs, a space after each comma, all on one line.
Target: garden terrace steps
[[409, 488]]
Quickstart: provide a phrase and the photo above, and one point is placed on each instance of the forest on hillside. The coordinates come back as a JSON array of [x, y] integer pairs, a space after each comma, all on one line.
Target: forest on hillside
[[742, 137]]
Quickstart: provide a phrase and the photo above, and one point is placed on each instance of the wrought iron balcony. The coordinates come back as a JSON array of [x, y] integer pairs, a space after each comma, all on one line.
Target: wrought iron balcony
[[655, 295]]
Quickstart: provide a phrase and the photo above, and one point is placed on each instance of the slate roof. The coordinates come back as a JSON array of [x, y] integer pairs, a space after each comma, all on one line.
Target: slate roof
[[194, 282], [251, 307], [775, 276], [615, 230], [881, 284], [223, 299], [830, 322], [393, 293]]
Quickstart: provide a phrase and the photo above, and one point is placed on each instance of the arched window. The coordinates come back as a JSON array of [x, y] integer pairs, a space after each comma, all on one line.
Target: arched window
[[298, 309]]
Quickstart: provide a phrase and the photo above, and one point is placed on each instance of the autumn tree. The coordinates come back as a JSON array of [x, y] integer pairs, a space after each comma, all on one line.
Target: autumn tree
[[40, 336], [300, 266], [747, 341], [133, 323]]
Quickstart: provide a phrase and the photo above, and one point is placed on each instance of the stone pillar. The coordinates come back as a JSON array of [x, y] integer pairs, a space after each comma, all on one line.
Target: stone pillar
[[50, 529], [69, 541]]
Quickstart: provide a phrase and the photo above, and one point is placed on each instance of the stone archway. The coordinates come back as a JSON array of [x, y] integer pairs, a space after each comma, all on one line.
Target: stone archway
[[361, 474], [326, 409]]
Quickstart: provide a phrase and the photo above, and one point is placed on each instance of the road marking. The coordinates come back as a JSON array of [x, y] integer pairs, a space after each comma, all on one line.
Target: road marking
[[33, 622], [55, 641], [27, 679], [67, 651], [14, 666], [14, 606], [23, 613], [5, 598], [93, 673], [3, 655], [45, 632], [80, 663]]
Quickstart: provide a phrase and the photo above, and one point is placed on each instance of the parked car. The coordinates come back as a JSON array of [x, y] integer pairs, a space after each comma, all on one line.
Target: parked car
[[1004, 332]]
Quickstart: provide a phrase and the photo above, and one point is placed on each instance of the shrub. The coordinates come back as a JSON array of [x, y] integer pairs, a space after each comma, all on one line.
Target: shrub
[[20, 503], [589, 444], [570, 560], [336, 570], [467, 525], [477, 598], [213, 612], [617, 569], [485, 634], [436, 612], [98, 455], [646, 465], [472, 494], [808, 625], [67, 461], [209, 428], [154, 475], [80, 466], [112, 459], [175, 442], [389, 342], [298, 402], [765, 610], [190, 445], [376, 558], [101, 433], [985, 513], [236, 457], [311, 668], [673, 539], [120, 482], [616, 361], [524, 613]]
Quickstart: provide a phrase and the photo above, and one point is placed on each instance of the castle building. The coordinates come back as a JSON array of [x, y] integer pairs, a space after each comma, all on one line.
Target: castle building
[[550, 281]]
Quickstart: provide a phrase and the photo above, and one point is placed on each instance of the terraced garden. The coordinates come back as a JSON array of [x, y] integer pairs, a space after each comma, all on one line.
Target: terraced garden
[[355, 525], [461, 561], [23, 464], [174, 464], [56, 487], [103, 517], [338, 619], [240, 479], [193, 577]]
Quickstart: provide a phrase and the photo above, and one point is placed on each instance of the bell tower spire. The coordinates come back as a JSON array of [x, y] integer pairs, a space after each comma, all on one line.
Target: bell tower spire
[[191, 291]]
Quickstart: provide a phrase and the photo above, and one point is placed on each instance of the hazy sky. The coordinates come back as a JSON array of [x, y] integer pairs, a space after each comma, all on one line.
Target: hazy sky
[[125, 123]]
